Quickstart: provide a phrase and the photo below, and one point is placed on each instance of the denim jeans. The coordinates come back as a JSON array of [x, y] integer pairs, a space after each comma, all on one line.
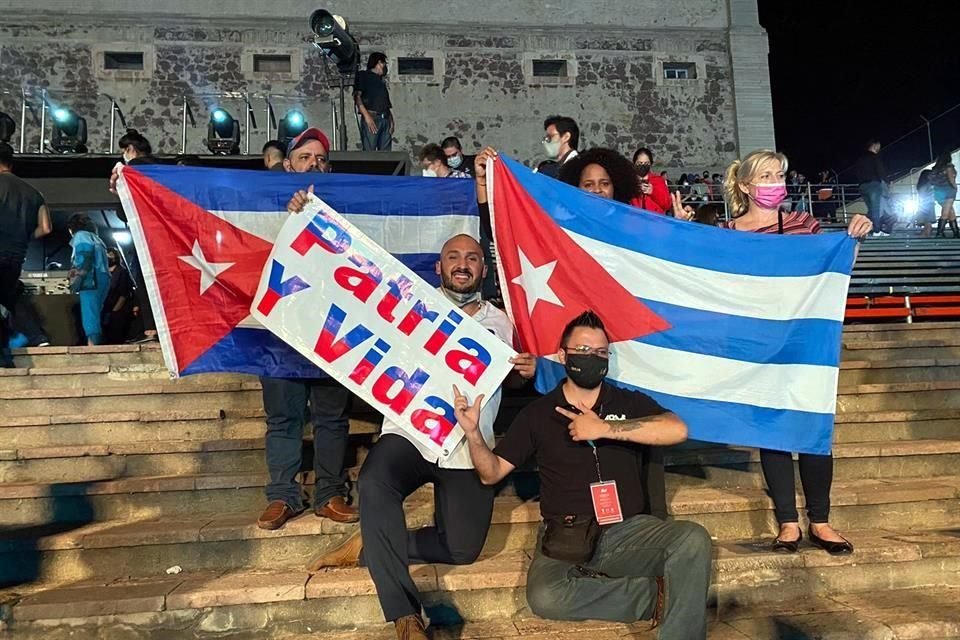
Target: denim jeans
[[288, 403], [382, 140], [873, 197], [631, 554]]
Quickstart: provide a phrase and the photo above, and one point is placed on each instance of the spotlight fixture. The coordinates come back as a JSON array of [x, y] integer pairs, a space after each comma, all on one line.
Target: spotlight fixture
[[7, 127], [334, 39], [292, 125], [69, 131], [223, 133]]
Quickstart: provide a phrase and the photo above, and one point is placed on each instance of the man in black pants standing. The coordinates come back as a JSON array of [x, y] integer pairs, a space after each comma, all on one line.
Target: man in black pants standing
[[23, 215], [397, 466], [285, 402]]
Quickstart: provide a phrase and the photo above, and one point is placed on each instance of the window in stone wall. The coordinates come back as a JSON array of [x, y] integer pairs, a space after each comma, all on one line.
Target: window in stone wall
[[549, 68], [272, 63], [123, 60], [679, 70], [409, 66]]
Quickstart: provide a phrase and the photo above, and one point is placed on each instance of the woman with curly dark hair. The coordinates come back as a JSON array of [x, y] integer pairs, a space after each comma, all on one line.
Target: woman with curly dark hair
[[603, 172]]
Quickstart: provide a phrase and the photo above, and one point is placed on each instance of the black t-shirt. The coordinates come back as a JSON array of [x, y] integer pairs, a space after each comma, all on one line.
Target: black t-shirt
[[19, 212], [373, 91], [568, 468], [869, 168]]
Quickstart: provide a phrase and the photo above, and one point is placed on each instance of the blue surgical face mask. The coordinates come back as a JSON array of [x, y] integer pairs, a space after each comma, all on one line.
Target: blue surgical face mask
[[454, 162]]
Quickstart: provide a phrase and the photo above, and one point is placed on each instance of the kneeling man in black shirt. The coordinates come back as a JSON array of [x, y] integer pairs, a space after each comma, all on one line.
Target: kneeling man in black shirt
[[599, 555]]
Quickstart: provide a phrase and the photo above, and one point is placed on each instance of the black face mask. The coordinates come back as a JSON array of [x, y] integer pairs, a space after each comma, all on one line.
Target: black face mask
[[586, 371], [643, 170], [111, 262]]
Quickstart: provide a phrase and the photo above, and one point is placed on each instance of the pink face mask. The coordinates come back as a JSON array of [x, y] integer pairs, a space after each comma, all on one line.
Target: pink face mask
[[769, 196]]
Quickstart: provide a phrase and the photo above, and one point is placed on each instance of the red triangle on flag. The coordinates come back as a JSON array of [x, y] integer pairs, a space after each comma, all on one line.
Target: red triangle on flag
[[206, 269], [548, 279]]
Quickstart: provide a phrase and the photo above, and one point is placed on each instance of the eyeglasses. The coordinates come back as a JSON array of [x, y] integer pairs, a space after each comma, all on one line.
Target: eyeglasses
[[550, 138], [584, 350]]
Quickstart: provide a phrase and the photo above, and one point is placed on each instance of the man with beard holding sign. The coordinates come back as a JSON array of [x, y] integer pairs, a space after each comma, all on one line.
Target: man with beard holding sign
[[397, 466]]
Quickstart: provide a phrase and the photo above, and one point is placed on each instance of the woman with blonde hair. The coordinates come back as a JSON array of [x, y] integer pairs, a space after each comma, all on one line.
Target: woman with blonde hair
[[755, 187]]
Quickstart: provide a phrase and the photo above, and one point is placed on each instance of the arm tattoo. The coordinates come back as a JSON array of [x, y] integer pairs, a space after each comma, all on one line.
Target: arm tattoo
[[620, 430]]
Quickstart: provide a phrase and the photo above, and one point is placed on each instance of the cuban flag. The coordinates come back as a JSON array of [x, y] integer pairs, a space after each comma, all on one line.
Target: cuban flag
[[204, 235], [737, 333]]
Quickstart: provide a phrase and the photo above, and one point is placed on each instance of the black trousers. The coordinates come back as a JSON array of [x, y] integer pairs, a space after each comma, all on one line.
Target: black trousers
[[9, 281], [463, 507], [816, 476]]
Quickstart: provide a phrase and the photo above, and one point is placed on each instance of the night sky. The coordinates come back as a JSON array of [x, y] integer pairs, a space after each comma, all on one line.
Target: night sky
[[843, 71]]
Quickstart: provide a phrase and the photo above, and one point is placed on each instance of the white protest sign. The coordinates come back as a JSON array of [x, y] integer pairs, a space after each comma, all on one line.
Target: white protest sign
[[375, 326]]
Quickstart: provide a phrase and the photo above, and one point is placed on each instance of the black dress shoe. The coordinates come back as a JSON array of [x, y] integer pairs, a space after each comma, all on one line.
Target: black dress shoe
[[788, 546], [831, 547]]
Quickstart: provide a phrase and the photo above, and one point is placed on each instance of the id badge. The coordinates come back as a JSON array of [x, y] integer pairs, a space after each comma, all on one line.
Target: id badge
[[606, 502]]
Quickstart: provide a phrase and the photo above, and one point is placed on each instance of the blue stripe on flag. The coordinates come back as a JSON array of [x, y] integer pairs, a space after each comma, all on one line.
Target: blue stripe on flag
[[257, 352], [710, 420], [677, 241], [269, 191], [804, 341]]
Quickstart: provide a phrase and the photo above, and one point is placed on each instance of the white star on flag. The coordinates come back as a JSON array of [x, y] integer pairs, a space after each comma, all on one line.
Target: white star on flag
[[208, 270], [535, 282]]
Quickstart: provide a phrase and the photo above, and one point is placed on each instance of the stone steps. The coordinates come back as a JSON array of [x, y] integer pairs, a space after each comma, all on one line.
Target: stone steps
[[880, 426], [855, 372], [287, 602], [239, 395], [695, 463], [85, 376], [128, 427], [113, 355], [153, 396], [898, 396], [148, 528]]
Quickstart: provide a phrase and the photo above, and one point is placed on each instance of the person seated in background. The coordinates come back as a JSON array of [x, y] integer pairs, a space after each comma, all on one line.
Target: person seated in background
[[273, 154], [117, 307], [433, 162], [654, 193], [455, 158], [89, 274], [590, 441]]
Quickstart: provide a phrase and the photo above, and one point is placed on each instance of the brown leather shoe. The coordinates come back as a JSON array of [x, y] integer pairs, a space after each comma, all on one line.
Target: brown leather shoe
[[275, 515], [347, 554], [410, 628], [338, 510]]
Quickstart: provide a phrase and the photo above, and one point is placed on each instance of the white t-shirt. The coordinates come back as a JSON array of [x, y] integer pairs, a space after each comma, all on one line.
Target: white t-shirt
[[497, 322]]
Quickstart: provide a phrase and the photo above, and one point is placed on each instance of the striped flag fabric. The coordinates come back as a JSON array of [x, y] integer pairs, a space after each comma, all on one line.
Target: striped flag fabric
[[737, 333], [203, 236]]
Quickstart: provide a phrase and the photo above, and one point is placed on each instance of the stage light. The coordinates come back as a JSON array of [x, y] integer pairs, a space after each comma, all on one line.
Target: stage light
[[910, 206], [7, 126], [292, 125], [223, 133], [334, 39], [69, 131]]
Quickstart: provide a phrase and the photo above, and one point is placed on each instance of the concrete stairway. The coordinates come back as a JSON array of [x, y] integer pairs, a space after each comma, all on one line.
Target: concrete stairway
[[111, 474]]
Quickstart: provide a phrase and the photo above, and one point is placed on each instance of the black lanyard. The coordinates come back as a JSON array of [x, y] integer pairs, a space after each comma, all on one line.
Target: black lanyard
[[594, 448]]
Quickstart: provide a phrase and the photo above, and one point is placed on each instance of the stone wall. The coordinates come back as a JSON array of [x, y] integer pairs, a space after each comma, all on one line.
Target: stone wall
[[482, 90]]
